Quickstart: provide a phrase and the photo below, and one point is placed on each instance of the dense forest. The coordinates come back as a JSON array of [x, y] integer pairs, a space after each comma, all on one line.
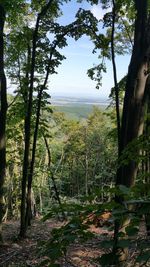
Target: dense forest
[[71, 187]]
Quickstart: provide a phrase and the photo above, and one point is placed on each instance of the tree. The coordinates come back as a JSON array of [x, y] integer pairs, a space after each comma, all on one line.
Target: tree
[[42, 13], [116, 41], [5, 8], [3, 110], [136, 89], [136, 95], [114, 14], [86, 166], [36, 57]]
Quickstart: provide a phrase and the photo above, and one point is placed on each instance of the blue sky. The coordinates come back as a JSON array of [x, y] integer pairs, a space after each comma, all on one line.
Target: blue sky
[[72, 79]]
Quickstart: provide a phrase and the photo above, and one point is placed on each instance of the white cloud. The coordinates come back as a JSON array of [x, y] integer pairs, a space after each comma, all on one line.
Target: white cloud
[[98, 12]]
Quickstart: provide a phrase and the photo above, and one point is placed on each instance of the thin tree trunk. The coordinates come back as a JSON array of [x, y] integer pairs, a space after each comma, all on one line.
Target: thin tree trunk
[[41, 201], [86, 174], [23, 227], [115, 75], [31, 168], [146, 166], [86, 164], [3, 110], [52, 176], [30, 175]]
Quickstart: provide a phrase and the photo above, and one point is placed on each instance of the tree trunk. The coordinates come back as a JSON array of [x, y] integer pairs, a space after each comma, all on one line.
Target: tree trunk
[[86, 174], [146, 166], [53, 179], [30, 175], [134, 107], [41, 201], [115, 75], [23, 226], [86, 164], [3, 110]]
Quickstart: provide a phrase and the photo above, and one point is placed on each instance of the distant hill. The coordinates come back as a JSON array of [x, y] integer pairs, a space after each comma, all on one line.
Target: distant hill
[[77, 108], [74, 108], [63, 101]]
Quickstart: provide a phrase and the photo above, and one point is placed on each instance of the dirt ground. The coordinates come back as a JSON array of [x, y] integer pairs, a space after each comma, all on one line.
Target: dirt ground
[[23, 253]]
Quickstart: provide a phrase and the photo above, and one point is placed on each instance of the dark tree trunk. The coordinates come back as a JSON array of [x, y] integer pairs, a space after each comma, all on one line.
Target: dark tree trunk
[[52, 176], [28, 115], [134, 105], [31, 169], [146, 165], [26, 171], [136, 93], [115, 75], [3, 110]]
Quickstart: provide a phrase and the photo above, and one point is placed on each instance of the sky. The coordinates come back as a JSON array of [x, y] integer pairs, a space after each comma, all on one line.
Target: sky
[[72, 79]]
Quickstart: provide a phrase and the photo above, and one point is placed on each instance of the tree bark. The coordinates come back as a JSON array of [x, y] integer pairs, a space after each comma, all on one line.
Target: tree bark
[[30, 175], [28, 115], [136, 93], [134, 108], [3, 110]]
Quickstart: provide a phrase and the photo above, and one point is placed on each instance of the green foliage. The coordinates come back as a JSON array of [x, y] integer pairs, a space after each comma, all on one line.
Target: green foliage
[[64, 236], [131, 230], [130, 152], [105, 259], [76, 111], [123, 37], [83, 153], [121, 86], [144, 257]]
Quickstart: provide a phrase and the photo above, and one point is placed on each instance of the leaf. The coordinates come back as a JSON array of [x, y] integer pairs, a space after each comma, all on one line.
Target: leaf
[[73, 225], [121, 235], [106, 259], [47, 216], [131, 230], [125, 190], [107, 244], [145, 256], [144, 209], [124, 243], [143, 245], [70, 237], [55, 252]]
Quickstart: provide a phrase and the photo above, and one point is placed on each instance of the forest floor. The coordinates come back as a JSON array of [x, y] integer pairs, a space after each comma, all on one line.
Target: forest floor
[[23, 253]]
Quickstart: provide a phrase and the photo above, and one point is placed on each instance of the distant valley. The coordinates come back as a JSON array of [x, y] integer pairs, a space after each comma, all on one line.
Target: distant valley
[[62, 101], [77, 108]]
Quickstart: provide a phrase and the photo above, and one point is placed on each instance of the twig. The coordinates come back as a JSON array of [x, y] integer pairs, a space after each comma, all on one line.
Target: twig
[[13, 100]]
